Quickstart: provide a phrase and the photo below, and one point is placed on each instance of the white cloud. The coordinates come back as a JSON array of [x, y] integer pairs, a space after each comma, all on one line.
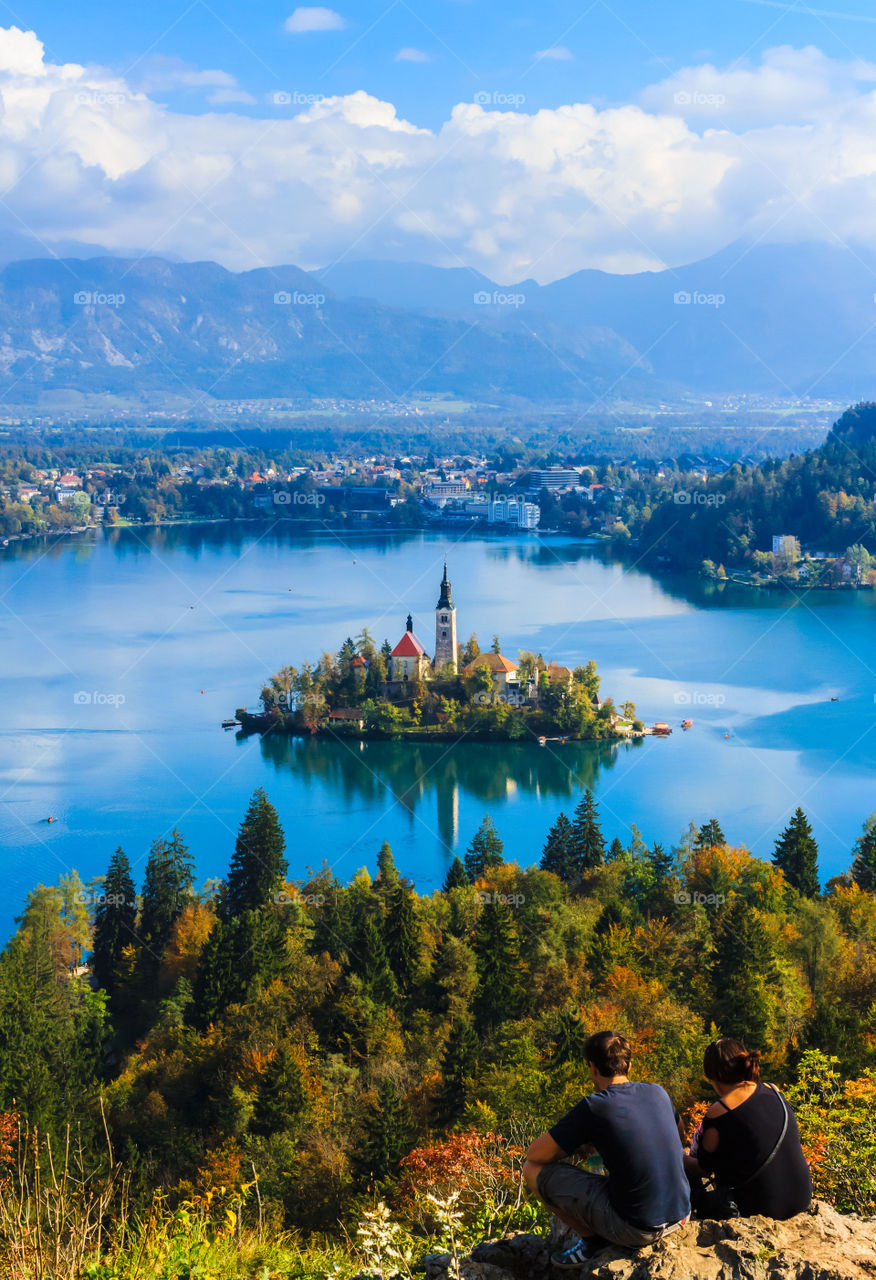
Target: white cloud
[[412, 55], [222, 97], [557, 53], [314, 19], [159, 74], [85, 155]]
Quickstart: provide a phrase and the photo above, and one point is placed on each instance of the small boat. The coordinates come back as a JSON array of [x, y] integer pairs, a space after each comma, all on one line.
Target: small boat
[[50, 818], [834, 699], [687, 724], [662, 729], [230, 724], [542, 742]]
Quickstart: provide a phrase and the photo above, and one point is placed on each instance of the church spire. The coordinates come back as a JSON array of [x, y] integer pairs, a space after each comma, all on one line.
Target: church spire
[[445, 600]]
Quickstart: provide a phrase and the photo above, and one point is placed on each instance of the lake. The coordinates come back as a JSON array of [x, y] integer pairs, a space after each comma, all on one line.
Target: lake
[[122, 651]]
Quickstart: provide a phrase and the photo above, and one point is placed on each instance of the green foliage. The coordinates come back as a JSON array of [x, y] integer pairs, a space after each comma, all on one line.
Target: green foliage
[[587, 844], [864, 864], [486, 850], [796, 855], [258, 865], [114, 919]]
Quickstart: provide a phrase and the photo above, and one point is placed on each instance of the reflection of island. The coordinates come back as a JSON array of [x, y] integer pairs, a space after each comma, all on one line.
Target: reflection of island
[[412, 772]]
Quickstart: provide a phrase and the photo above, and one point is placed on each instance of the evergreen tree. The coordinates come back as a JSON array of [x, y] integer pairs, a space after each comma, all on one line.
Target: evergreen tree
[[796, 855], [458, 1065], [616, 851], [497, 953], [114, 920], [331, 929], [167, 883], [385, 1138], [744, 976], [587, 843], [486, 850], [864, 864], [369, 960], [402, 933], [240, 957], [710, 836], [387, 872], [662, 863], [557, 855], [457, 876], [258, 864], [570, 1039]]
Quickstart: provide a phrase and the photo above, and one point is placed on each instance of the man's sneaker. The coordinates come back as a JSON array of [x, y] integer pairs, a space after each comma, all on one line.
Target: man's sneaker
[[579, 1254]]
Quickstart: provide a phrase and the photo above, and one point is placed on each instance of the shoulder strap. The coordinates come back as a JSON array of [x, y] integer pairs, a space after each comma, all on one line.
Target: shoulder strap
[[775, 1151]]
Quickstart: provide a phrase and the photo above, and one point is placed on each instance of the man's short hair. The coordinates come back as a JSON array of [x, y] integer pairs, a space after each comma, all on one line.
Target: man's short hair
[[610, 1053]]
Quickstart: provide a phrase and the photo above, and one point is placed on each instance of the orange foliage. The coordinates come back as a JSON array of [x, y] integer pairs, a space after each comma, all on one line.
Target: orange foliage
[[467, 1162], [190, 932], [222, 1167], [691, 1118]]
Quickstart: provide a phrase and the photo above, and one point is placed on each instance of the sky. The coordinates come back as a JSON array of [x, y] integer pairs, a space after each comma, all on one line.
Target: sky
[[520, 140]]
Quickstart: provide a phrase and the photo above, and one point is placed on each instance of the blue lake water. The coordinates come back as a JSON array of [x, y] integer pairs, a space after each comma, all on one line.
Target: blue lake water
[[165, 632]]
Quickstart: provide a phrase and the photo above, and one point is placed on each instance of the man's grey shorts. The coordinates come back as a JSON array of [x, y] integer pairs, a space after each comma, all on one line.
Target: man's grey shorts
[[584, 1197]]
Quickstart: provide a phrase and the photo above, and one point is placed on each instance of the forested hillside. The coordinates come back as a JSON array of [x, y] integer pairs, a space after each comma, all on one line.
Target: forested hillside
[[289, 1053]]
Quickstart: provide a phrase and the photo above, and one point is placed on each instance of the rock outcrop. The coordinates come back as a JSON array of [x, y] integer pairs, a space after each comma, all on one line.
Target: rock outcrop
[[818, 1245]]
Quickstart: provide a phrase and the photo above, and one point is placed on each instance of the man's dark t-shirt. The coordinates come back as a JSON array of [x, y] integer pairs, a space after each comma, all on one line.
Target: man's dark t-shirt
[[633, 1128]]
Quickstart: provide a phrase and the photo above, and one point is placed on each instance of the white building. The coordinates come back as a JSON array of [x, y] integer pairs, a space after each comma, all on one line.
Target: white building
[[514, 511], [785, 544], [443, 491], [554, 478]]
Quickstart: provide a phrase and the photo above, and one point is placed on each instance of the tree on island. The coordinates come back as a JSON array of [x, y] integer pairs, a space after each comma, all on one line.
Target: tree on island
[[710, 835], [114, 919], [496, 647], [487, 849], [864, 864], [258, 864], [587, 843], [796, 855], [457, 876], [557, 856]]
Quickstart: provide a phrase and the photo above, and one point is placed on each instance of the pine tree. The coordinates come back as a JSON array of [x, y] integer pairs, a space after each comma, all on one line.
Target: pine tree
[[710, 835], [796, 855], [402, 934], [662, 863], [571, 1037], [386, 1136], [387, 871], [864, 864], [497, 953], [587, 844], [457, 876], [241, 956], [369, 960], [458, 1065], [744, 976], [616, 851], [258, 864], [486, 850], [557, 855], [167, 883], [114, 920]]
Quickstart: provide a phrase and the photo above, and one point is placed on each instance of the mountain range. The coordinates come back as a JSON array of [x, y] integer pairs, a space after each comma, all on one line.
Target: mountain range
[[779, 320]]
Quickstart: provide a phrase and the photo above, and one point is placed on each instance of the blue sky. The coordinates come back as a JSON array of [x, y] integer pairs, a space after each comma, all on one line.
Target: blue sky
[[472, 45], [519, 140]]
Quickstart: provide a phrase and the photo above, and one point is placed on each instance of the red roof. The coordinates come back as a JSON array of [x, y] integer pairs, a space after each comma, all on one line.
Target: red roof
[[358, 661], [408, 647]]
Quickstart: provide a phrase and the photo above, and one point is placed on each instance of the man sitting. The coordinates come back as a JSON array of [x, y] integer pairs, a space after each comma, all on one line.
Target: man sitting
[[633, 1128]]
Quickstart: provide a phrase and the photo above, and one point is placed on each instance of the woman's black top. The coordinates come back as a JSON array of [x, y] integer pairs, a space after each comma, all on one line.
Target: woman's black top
[[746, 1136]]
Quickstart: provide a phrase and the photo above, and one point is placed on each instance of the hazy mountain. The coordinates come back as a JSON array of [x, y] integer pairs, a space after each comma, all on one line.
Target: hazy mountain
[[772, 318], [116, 326]]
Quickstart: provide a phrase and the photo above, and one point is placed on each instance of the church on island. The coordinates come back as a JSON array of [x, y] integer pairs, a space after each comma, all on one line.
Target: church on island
[[409, 660]]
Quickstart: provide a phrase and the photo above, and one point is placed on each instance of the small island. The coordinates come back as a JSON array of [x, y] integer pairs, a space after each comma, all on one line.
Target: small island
[[366, 691]]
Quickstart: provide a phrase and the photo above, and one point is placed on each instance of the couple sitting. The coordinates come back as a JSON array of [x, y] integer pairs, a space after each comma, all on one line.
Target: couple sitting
[[748, 1142]]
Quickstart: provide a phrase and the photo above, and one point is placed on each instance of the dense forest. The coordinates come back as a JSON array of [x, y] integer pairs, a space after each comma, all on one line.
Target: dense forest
[[271, 1056]]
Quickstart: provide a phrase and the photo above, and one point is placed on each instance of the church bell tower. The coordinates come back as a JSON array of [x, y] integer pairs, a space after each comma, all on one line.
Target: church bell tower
[[445, 627]]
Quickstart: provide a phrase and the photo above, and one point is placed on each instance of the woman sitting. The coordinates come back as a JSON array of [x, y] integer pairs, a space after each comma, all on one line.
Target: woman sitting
[[748, 1142]]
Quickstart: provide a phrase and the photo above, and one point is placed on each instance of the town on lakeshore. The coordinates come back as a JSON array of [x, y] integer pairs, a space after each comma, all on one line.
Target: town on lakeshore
[[460, 691]]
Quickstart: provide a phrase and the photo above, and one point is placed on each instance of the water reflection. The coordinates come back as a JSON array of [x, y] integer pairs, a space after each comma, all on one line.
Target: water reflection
[[417, 774]]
